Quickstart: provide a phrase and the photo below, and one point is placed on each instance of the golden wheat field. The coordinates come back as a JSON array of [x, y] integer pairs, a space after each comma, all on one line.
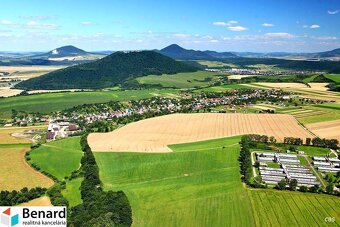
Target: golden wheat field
[[42, 201], [327, 129], [313, 86], [16, 173], [154, 134]]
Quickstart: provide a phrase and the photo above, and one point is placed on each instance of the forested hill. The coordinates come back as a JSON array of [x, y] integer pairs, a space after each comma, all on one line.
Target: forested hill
[[107, 72]]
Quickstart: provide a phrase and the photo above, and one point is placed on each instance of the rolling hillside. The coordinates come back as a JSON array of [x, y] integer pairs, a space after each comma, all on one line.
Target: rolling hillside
[[110, 71], [177, 52]]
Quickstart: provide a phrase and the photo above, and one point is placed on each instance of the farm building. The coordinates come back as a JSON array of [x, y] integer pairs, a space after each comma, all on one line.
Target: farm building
[[264, 159], [288, 161], [321, 163], [50, 135], [293, 156], [265, 154], [328, 169], [334, 160], [319, 159]]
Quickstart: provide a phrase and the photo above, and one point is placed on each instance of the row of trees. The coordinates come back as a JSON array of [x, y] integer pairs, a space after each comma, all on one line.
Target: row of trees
[[292, 141], [12, 198], [282, 185], [317, 142], [259, 138], [245, 160], [99, 208]]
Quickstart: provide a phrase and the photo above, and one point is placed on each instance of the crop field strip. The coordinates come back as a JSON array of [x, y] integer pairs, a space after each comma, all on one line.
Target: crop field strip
[[153, 135], [314, 93], [327, 129]]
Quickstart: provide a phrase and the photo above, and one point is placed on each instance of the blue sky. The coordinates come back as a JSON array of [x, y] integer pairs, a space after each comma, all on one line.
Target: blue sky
[[261, 25]]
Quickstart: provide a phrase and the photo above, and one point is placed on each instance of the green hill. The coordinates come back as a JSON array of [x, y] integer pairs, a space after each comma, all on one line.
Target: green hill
[[110, 71]]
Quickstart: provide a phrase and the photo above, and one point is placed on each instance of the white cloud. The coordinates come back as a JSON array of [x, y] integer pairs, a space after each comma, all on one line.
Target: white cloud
[[324, 37], [283, 35], [311, 26], [6, 22], [86, 23], [314, 26], [225, 24], [214, 41], [220, 23], [267, 25], [237, 28], [231, 25], [181, 35], [333, 12], [36, 25], [37, 17]]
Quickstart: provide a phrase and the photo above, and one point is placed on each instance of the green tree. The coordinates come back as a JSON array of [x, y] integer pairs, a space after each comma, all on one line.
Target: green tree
[[303, 188], [282, 184], [330, 188], [293, 184]]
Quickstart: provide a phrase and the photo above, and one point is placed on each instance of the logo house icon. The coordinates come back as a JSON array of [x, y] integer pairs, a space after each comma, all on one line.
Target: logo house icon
[[8, 220]]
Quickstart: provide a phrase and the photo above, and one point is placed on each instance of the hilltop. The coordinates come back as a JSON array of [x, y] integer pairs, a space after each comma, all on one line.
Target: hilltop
[[109, 71], [178, 52], [67, 53]]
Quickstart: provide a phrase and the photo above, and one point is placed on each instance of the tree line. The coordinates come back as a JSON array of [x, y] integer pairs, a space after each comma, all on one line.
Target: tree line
[[99, 208], [12, 198], [316, 142]]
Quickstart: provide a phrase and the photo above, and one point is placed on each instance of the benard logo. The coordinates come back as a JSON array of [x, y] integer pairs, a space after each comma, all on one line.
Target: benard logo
[[8, 219]]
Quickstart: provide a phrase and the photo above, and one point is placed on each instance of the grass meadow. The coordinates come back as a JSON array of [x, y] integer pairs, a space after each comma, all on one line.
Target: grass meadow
[[72, 191], [199, 185], [58, 158], [334, 77], [182, 80], [50, 102]]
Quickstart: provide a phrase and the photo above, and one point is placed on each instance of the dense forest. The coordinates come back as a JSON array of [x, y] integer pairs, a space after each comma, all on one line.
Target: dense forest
[[108, 72]]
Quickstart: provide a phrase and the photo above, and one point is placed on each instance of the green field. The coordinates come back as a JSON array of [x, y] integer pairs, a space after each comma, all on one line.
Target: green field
[[182, 80], [334, 77], [199, 185], [72, 192], [277, 208], [58, 158], [49, 102]]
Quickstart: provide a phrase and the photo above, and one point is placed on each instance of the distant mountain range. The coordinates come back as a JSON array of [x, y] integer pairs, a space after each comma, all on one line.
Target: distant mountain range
[[69, 55], [112, 70], [327, 55], [177, 52]]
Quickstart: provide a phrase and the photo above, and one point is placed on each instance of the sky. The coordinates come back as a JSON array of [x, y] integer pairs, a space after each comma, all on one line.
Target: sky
[[224, 25]]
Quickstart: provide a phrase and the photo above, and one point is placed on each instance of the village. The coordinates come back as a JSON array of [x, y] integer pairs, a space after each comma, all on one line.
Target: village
[[257, 72], [74, 120]]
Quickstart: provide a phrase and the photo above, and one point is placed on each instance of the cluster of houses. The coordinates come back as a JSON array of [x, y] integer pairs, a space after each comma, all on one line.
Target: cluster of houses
[[289, 169], [326, 164], [57, 130], [162, 104], [255, 72]]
